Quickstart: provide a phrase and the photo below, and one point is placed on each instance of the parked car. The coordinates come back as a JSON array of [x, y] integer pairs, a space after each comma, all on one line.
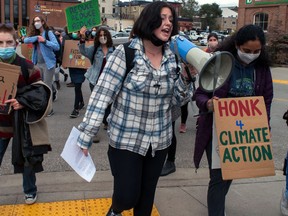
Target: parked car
[[128, 29], [203, 42], [184, 35], [120, 38]]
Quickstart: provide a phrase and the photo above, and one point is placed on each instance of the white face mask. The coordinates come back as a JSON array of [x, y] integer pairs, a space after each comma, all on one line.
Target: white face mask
[[38, 25], [213, 44], [247, 57], [103, 40]]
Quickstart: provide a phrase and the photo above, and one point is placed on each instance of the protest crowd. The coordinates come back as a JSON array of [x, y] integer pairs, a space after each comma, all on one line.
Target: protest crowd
[[137, 92]]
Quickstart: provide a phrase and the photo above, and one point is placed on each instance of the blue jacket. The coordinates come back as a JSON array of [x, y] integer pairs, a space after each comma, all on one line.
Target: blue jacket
[[46, 49], [93, 72]]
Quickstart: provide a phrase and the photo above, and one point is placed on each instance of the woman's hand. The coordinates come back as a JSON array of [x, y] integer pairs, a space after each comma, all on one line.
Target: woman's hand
[[85, 151], [83, 31], [15, 104], [41, 39], [209, 104], [188, 68]]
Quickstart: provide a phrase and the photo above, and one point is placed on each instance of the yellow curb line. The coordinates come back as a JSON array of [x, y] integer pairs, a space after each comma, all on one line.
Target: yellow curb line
[[281, 81]]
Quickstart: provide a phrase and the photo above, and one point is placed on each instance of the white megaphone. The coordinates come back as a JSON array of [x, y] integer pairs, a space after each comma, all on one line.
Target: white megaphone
[[214, 69]]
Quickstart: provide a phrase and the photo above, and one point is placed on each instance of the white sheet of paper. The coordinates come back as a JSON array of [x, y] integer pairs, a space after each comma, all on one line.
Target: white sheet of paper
[[215, 148], [72, 154]]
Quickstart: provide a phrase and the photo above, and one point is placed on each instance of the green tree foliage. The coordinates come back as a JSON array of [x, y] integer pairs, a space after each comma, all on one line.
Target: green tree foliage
[[189, 8], [208, 14]]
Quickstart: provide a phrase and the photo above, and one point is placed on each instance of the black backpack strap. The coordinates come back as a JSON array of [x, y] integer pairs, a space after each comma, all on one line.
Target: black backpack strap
[[47, 35], [24, 69], [129, 57]]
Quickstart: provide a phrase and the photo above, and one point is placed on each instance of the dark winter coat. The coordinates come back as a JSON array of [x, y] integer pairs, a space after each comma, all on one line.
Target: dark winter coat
[[30, 137], [263, 86]]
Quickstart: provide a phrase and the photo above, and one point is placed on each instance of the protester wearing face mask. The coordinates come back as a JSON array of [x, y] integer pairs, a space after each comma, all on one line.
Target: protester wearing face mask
[[43, 55], [32, 101], [212, 42], [77, 78], [93, 33], [98, 55], [250, 76]]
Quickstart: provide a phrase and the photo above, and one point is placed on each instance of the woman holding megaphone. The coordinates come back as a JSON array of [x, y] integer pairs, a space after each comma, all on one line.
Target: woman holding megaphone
[[142, 91], [250, 76]]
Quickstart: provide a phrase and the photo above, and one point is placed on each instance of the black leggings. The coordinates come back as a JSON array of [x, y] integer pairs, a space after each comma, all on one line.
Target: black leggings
[[135, 179], [218, 188], [184, 113], [78, 95], [172, 147]]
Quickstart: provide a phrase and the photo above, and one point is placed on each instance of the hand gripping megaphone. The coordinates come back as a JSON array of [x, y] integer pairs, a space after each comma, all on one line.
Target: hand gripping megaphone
[[213, 68]]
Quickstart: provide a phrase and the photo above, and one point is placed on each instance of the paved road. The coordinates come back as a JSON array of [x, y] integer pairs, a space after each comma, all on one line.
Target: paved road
[[60, 125]]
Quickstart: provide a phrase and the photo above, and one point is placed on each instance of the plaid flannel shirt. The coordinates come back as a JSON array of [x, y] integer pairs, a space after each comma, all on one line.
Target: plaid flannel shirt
[[142, 101]]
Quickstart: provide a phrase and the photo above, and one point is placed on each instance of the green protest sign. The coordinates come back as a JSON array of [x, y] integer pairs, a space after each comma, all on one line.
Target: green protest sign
[[84, 14]]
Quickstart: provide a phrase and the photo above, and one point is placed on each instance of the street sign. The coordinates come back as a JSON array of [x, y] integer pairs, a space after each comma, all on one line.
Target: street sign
[[248, 1]]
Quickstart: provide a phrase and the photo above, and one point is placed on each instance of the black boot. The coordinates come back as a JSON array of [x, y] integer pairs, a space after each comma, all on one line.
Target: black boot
[[168, 168], [111, 213]]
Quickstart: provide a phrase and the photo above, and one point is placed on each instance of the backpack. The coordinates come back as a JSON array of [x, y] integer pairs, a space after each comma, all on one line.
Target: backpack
[[58, 53]]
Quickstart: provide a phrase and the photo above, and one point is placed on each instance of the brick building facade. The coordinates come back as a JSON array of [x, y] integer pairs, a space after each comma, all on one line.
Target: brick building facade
[[21, 12], [266, 13]]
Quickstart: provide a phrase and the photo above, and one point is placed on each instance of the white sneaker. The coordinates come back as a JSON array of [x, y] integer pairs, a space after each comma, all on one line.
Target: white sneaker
[[30, 198], [284, 204]]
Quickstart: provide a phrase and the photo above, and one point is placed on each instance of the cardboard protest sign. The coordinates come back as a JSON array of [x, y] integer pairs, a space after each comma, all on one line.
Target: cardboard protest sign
[[27, 50], [84, 14], [243, 137], [8, 85], [72, 56]]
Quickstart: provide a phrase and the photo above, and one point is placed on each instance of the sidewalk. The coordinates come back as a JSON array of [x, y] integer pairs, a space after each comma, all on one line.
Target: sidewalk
[[180, 194]]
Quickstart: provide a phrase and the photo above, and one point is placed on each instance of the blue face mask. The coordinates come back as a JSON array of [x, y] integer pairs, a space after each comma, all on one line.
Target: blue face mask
[[93, 33], [74, 35], [7, 52]]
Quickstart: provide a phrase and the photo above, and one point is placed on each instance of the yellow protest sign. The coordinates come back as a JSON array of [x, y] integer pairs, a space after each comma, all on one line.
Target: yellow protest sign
[[243, 137]]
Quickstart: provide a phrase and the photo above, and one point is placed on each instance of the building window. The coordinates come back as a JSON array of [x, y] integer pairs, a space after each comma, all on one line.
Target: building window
[[261, 19], [103, 10], [7, 11], [233, 23]]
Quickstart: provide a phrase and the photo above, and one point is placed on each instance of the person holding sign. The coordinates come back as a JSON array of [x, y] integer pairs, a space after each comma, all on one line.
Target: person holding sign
[[140, 122], [98, 55], [26, 120], [77, 78], [43, 55], [251, 76]]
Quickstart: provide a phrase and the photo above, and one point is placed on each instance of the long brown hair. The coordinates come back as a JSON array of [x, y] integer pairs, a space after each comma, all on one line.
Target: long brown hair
[[108, 35], [33, 31]]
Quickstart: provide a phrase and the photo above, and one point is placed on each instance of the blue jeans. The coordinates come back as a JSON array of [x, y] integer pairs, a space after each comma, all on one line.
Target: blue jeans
[[29, 176]]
